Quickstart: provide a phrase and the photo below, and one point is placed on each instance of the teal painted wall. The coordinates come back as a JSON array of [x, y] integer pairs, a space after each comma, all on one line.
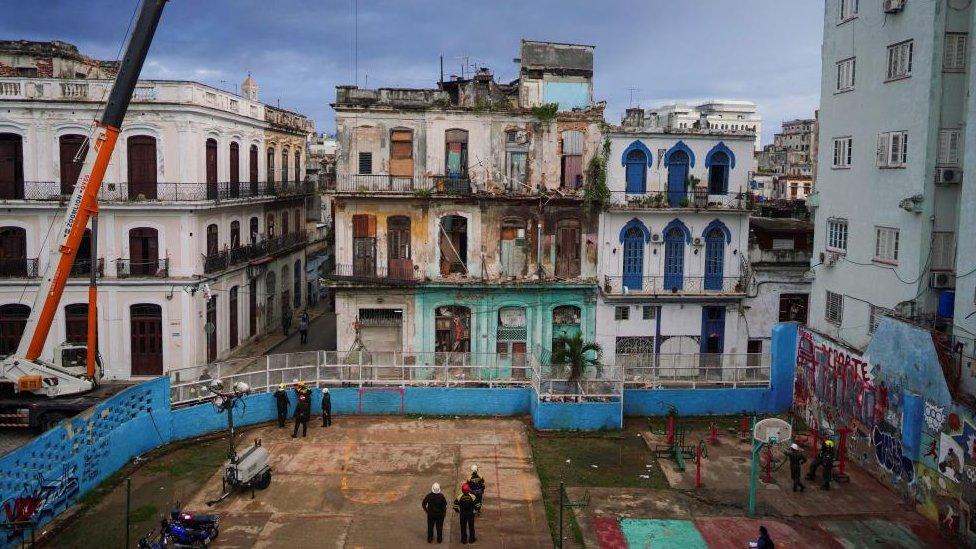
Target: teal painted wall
[[485, 301]]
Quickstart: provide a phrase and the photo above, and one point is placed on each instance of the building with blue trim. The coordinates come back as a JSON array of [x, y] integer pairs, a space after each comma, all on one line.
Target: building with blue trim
[[674, 270]]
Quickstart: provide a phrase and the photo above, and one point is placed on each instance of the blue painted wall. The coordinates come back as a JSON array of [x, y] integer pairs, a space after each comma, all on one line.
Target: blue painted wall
[[569, 95], [583, 416]]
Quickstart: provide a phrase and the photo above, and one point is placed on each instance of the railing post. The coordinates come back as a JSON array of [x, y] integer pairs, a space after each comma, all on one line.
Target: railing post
[[318, 367], [267, 371], [359, 360]]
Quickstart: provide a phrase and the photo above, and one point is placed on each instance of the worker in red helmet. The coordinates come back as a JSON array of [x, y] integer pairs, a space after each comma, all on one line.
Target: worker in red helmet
[[466, 506]]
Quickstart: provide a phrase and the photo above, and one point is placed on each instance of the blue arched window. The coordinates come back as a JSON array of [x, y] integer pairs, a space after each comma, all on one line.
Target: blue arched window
[[676, 236], [714, 259], [720, 161], [633, 236], [636, 160], [679, 160]]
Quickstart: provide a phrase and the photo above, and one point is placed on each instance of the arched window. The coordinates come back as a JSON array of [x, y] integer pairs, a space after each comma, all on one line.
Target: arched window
[[270, 225], [11, 166], [235, 170], [271, 166], [213, 245], [13, 321], [212, 169], [76, 323], [297, 220], [146, 339], [13, 253], [633, 258], [456, 154], [298, 283], [511, 335], [253, 230], [284, 223], [679, 160], [73, 149], [269, 299], [284, 166], [298, 166], [399, 265], [571, 162], [211, 329], [636, 160], [717, 235], [452, 329], [674, 258], [720, 162], [235, 234], [142, 166], [252, 166]]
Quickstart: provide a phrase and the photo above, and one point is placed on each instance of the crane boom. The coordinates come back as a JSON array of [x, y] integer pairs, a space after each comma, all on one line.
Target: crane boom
[[24, 367]]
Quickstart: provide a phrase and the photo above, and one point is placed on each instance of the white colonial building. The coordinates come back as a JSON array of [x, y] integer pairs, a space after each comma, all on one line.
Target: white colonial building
[[673, 241], [722, 115], [199, 247]]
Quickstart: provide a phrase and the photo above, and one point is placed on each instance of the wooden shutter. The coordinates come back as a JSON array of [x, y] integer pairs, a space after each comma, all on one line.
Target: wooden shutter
[[70, 168], [363, 226], [235, 163]]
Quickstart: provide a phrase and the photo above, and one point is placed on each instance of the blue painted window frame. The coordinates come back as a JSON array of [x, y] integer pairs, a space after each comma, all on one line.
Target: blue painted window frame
[[677, 189], [676, 237], [632, 166], [719, 157]]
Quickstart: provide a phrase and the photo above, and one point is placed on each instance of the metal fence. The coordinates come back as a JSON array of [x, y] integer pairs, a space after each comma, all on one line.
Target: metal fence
[[166, 192], [384, 183], [440, 369], [698, 198]]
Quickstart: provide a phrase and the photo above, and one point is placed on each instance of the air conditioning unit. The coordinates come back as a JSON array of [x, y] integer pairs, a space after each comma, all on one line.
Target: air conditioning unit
[[831, 259], [942, 280], [894, 6], [655, 237], [946, 176]]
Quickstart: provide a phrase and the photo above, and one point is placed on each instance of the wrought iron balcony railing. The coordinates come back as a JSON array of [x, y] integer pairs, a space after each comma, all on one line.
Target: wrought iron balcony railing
[[142, 268], [24, 267], [673, 285], [82, 267], [393, 184], [396, 273], [698, 198], [161, 192], [223, 259]]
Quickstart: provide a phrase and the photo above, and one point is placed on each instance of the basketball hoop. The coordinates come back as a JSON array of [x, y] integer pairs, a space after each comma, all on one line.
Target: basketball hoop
[[772, 431]]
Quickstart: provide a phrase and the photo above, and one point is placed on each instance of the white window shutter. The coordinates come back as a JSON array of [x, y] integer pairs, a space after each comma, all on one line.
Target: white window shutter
[[904, 149], [882, 149], [954, 146], [895, 153]]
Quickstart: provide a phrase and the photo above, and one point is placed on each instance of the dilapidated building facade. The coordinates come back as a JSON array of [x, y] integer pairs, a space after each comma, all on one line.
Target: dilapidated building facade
[[460, 223]]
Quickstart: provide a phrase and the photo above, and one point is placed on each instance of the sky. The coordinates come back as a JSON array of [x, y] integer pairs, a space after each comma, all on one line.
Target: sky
[[648, 52]]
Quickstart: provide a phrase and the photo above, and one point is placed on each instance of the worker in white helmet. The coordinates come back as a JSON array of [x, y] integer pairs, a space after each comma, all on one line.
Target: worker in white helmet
[[797, 459], [477, 484], [435, 505]]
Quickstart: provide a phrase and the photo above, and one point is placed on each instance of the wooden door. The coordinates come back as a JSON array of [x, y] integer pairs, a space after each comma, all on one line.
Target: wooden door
[[398, 247], [401, 153], [364, 245], [146, 340], [142, 166], [235, 170], [143, 251], [674, 259], [253, 169], [568, 250], [13, 251], [232, 320], [70, 167], [13, 321], [212, 169], [11, 166], [211, 329], [636, 172]]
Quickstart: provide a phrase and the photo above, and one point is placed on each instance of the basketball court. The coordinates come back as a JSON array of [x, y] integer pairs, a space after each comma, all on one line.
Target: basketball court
[[360, 482]]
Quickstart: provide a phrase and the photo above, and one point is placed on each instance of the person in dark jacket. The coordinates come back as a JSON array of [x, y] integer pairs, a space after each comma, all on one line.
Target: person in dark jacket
[[466, 505], [828, 465], [763, 541], [326, 408], [435, 505], [821, 459], [477, 485], [796, 463], [281, 401], [303, 410], [303, 328]]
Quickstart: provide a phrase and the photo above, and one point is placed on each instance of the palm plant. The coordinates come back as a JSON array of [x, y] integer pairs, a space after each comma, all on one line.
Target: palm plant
[[572, 352]]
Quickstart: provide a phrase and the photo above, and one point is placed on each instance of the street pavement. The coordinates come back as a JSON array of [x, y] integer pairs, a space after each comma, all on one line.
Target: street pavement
[[321, 336]]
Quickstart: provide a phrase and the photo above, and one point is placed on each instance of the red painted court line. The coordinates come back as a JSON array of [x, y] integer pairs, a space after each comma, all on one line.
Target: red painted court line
[[608, 533], [737, 532]]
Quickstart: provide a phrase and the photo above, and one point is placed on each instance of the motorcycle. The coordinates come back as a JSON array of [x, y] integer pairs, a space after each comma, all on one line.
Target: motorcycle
[[207, 522], [176, 534]]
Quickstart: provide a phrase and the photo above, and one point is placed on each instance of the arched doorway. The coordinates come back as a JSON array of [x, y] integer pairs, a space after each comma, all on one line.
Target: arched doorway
[[13, 321], [11, 166], [714, 258], [211, 159], [398, 266], [674, 258], [73, 149], [452, 329], [678, 163], [633, 258]]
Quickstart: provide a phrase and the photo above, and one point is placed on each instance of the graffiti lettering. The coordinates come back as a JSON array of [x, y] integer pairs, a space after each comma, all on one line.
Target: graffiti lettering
[[889, 452], [44, 501]]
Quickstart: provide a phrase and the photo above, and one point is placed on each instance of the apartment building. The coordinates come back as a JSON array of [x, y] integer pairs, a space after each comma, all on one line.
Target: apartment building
[[892, 208], [722, 115], [460, 223], [200, 244]]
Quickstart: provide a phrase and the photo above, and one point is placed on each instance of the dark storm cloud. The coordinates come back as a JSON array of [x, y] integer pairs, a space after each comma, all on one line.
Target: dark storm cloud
[[767, 51]]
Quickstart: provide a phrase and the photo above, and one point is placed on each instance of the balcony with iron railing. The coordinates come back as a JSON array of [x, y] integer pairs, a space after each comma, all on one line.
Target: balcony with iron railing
[[396, 273], [24, 267], [83, 268], [142, 268], [129, 192], [678, 286], [393, 184], [696, 199], [224, 259], [770, 257]]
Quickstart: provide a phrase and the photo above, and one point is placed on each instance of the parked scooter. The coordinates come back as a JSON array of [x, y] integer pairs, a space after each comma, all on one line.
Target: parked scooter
[[195, 521]]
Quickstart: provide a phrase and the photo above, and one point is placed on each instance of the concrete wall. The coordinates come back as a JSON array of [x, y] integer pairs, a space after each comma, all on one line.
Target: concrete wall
[[576, 416]]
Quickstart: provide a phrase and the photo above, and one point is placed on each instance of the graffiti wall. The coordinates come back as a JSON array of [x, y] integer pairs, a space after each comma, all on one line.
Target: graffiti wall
[[902, 425]]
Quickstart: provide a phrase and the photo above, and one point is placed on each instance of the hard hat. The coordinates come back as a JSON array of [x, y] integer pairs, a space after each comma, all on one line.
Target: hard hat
[[294, 381], [794, 446], [474, 468], [435, 488], [325, 390], [465, 488], [281, 385], [830, 444]]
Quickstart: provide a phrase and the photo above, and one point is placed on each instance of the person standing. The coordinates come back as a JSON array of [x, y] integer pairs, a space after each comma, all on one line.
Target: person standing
[[828, 465], [477, 485], [303, 328], [797, 460], [466, 506], [326, 408], [435, 505], [303, 410], [763, 541], [281, 401], [818, 461]]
